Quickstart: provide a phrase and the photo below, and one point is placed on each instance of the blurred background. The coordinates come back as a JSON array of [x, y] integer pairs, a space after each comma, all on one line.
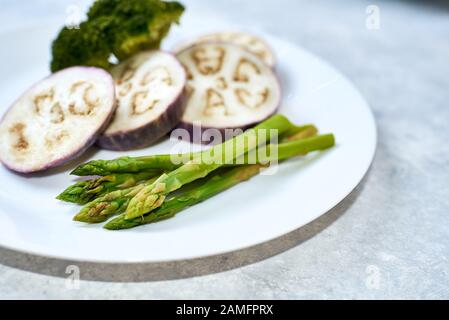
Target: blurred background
[[397, 53]]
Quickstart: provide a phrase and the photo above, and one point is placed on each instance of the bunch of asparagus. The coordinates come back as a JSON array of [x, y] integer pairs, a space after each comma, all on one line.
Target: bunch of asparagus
[[143, 190]]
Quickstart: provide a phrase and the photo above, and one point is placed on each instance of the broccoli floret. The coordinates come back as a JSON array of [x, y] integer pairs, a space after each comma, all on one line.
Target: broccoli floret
[[117, 28], [84, 46], [102, 8], [142, 24]]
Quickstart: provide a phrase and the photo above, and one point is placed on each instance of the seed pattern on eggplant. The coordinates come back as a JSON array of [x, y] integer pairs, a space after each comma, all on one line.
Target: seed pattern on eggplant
[[150, 98], [250, 42], [57, 119], [228, 88]]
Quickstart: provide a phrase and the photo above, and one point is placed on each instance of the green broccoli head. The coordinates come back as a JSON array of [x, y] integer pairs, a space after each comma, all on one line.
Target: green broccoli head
[[84, 46], [102, 8], [117, 28], [142, 24]]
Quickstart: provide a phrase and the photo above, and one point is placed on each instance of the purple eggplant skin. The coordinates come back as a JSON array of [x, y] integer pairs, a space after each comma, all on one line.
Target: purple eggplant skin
[[88, 143], [149, 133]]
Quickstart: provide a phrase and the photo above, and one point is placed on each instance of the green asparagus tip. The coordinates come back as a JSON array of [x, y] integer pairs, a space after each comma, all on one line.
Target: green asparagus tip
[[111, 226], [82, 217], [74, 194], [120, 223], [331, 140], [80, 171], [90, 168], [68, 198]]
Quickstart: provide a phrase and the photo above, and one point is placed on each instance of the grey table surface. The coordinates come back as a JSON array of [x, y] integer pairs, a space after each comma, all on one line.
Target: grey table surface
[[388, 239]]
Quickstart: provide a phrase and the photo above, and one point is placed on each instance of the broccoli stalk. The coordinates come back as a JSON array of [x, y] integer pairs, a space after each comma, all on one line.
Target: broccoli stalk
[[115, 28]]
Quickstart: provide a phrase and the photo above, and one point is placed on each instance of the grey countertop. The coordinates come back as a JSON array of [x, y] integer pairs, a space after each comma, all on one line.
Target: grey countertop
[[388, 239]]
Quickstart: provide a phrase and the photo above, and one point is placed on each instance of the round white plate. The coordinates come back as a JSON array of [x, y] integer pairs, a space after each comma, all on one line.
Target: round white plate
[[253, 212]]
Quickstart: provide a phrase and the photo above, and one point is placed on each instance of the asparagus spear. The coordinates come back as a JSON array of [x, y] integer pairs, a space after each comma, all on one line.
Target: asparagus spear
[[126, 165], [216, 184], [84, 191], [170, 207], [306, 131], [102, 208], [152, 196], [162, 162]]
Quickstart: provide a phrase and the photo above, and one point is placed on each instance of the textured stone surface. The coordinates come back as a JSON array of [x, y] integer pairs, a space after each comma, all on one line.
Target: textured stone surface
[[389, 239]]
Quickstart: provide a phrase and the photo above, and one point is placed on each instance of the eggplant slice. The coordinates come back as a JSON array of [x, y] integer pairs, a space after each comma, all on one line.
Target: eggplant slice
[[228, 88], [57, 119], [150, 99], [250, 42]]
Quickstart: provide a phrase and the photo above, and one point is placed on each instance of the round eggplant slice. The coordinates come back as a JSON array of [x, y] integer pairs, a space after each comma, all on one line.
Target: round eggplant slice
[[250, 42], [150, 99], [57, 119], [228, 88]]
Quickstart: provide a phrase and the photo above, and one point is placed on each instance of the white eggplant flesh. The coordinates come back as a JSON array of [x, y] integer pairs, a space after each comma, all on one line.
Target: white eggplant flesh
[[228, 88], [150, 100], [250, 42], [57, 119]]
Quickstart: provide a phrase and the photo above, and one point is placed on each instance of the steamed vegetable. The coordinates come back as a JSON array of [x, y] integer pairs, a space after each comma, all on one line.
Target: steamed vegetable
[[144, 198], [109, 204], [57, 119], [228, 89], [207, 189], [152, 196], [221, 181], [207, 174], [116, 202], [164, 162], [115, 28], [250, 42], [150, 98], [84, 191]]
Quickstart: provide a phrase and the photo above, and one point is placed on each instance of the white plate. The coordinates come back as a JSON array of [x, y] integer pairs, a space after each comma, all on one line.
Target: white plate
[[267, 207]]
